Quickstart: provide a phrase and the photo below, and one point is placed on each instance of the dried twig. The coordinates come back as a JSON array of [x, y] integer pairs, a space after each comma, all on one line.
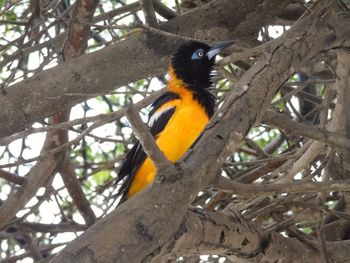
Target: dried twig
[[146, 139]]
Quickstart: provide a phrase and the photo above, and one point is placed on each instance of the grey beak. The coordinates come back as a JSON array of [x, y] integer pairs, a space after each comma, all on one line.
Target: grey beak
[[217, 48]]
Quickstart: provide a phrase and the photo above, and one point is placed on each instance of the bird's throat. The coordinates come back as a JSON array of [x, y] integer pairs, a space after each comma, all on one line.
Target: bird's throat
[[201, 95]]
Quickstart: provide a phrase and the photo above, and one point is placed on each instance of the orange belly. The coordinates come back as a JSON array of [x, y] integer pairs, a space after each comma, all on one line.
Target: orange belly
[[180, 133]]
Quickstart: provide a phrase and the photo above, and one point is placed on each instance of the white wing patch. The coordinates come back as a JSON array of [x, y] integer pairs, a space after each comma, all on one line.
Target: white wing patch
[[157, 114]]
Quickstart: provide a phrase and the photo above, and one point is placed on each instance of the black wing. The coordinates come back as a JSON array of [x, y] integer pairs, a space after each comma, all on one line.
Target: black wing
[[136, 156]]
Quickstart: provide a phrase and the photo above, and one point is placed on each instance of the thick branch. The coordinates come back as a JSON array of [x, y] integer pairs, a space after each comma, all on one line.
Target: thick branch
[[132, 59], [230, 234]]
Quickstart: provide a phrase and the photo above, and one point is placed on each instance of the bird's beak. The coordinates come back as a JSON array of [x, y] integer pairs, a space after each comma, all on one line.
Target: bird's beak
[[216, 49]]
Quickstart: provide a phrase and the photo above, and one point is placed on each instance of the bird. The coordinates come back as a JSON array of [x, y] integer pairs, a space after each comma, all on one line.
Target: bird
[[177, 117]]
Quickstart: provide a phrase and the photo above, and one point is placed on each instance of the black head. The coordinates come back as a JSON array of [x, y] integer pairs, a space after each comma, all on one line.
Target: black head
[[194, 61], [192, 66]]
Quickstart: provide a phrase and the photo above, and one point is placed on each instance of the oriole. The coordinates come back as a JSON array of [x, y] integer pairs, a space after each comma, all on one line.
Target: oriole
[[178, 117]]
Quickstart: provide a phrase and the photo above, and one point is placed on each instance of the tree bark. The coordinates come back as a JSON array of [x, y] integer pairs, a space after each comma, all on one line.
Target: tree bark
[[231, 235]]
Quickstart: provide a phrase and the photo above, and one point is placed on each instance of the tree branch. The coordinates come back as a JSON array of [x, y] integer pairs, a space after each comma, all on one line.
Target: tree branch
[[147, 141], [51, 228], [124, 62], [148, 11], [13, 178], [163, 10], [284, 122], [223, 183], [216, 233], [75, 190]]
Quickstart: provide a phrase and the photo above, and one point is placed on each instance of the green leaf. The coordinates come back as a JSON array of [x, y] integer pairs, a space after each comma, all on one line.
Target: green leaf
[[101, 176], [10, 15], [307, 230]]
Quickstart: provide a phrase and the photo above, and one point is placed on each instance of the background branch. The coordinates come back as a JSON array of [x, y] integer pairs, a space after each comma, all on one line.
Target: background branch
[[148, 11]]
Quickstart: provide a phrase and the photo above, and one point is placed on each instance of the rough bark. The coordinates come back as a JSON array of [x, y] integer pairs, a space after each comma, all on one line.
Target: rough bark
[[342, 124], [233, 236], [138, 228], [132, 59]]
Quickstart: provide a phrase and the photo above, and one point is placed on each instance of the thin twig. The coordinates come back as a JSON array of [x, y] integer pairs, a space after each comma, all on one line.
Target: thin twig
[[146, 139], [166, 34]]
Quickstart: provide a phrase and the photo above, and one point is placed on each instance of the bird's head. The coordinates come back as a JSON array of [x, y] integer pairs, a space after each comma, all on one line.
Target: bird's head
[[193, 62]]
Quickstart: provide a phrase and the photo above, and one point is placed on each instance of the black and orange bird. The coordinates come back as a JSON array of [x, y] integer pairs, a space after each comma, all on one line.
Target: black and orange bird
[[177, 117]]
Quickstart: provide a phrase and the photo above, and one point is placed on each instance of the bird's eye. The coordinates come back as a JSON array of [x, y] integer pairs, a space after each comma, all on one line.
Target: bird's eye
[[198, 54]]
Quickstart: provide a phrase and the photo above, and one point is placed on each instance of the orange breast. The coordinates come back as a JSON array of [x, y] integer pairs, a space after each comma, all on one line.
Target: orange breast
[[180, 133]]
